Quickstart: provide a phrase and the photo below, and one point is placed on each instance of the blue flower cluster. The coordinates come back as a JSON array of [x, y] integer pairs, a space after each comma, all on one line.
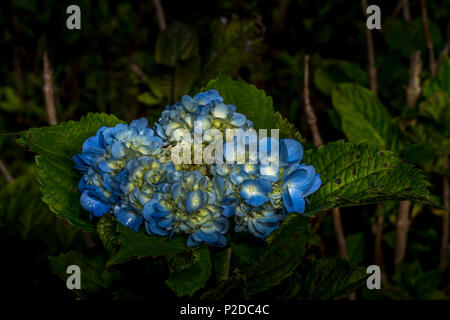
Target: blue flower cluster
[[127, 171]]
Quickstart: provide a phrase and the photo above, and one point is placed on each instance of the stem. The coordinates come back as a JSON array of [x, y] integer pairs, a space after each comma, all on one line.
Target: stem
[[413, 89], [226, 273], [49, 91], [428, 41], [445, 219], [160, 15], [371, 68], [317, 140], [402, 226], [406, 12], [5, 172], [378, 251]]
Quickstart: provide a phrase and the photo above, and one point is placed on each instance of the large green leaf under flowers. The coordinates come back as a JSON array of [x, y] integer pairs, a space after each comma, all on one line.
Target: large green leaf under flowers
[[136, 245], [324, 279], [361, 174], [55, 147], [193, 278], [285, 250]]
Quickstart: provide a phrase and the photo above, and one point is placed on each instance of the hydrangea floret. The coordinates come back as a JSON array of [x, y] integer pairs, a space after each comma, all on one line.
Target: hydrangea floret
[[127, 171]]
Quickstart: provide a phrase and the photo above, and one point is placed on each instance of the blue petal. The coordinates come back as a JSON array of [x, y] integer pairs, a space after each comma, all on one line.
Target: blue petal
[[293, 201], [90, 201], [301, 180], [291, 151], [129, 218], [194, 201]]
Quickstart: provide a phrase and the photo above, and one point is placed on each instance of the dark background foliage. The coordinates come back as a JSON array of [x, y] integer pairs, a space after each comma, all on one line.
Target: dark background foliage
[[115, 65]]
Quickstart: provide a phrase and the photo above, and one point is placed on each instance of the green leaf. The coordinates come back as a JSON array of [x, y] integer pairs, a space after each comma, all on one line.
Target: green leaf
[[332, 72], [179, 42], [361, 174], [137, 245], [287, 246], [355, 247], [364, 119], [441, 81], [188, 281], [254, 103], [174, 82], [437, 107], [148, 98], [55, 147], [106, 229], [324, 279], [235, 43], [94, 276]]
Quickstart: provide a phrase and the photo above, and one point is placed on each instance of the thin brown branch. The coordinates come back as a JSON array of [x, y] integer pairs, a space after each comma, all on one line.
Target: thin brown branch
[[428, 41], [445, 219], [310, 114], [378, 231], [136, 69], [371, 67], [413, 89], [444, 52], [401, 234], [49, 91], [317, 140], [5, 172], [406, 11], [160, 15]]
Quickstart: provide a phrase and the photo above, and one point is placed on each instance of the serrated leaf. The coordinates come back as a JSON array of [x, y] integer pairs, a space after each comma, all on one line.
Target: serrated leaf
[[179, 42], [93, 274], [254, 103], [235, 43], [55, 147], [364, 119], [437, 107], [283, 255], [106, 229], [441, 81], [324, 279], [138, 245], [172, 83], [361, 174], [188, 281], [332, 72]]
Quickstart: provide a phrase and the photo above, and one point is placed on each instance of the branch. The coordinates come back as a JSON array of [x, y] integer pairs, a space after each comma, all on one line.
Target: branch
[[317, 140], [310, 114], [160, 15], [378, 232], [5, 172], [444, 52], [428, 41], [445, 219], [413, 89], [371, 68], [401, 234], [49, 91], [406, 12]]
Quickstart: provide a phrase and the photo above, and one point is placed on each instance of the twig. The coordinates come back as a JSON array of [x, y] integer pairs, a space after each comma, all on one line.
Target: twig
[[160, 15], [136, 69], [378, 231], [310, 114], [406, 12], [413, 89], [317, 140], [428, 41], [5, 172], [371, 68], [49, 92], [403, 220], [443, 53], [445, 219], [401, 234]]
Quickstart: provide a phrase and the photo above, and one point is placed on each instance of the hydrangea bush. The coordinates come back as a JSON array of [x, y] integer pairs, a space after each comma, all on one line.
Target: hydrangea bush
[[127, 172], [219, 226]]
